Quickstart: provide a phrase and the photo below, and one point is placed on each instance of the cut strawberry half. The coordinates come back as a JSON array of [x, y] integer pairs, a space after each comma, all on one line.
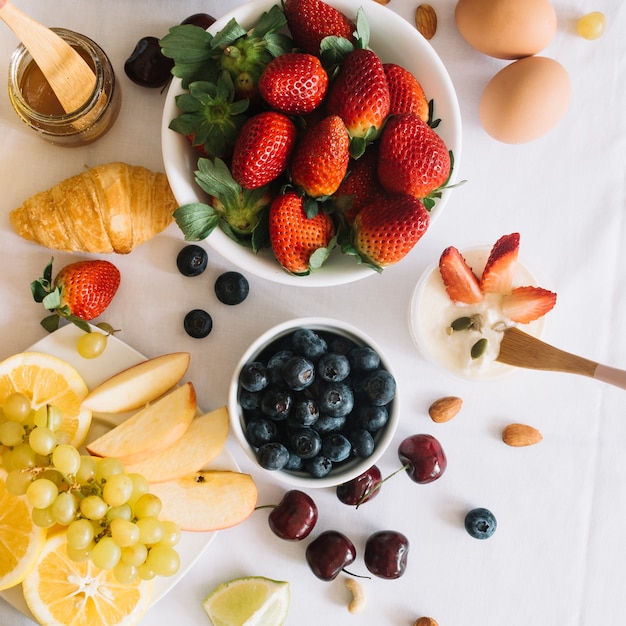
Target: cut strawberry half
[[459, 279], [526, 304], [500, 267]]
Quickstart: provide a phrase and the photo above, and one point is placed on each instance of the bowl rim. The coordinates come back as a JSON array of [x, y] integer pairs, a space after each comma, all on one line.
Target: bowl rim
[[340, 268], [353, 468]]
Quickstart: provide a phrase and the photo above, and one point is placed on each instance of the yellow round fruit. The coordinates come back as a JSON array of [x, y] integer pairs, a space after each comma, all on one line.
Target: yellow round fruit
[[21, 542], [60, 591], [48, 380]]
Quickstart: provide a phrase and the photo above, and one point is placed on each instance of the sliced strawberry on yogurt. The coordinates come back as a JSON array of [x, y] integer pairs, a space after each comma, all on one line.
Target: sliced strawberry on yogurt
[[500, 267], [460, 281], [526, 304]]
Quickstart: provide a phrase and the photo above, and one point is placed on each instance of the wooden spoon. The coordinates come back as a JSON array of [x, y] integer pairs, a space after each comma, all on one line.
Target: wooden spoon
[[522, 350], [69, 75]]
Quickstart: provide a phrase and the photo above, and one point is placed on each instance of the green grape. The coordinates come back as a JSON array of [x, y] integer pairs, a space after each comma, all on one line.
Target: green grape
[[80, 555], [150, 530], [17, 482], [107, 467], [86, 472], [123, 512], [117, 489], [7, 459], [124, 532], [66, 459], [80, 534], [23, 456], [43, 517], [140, 487], [11, 433], [64, 508], [592, 25], [93, 507], [41, 493], [42, 440], [42, 460], [54, 476], [124, 573], [164, 560], [40, 417], [171, 533], [106, 553], [145, 572], [147, 505], [48, 416], [16, 407], [91, 345], [135, 554]]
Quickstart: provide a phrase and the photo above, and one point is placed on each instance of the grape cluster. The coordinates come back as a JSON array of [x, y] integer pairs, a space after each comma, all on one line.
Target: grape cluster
[[111, 517]]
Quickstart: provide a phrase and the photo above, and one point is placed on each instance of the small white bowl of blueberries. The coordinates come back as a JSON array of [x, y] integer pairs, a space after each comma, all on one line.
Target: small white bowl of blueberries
[[314, 402]]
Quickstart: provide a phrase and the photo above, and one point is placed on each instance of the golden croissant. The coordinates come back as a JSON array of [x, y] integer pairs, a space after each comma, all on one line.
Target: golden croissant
[[108, 208]]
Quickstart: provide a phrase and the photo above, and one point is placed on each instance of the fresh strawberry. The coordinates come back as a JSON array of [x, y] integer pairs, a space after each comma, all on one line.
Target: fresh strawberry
[[458, 278], [262, 149], [413, 158], [300, 243], [500, 266], [320, 160], [310, 21], [360, 185], [359, 95], [80, 292], [294, 83], [386, 229], [406, 92], [526, 304]]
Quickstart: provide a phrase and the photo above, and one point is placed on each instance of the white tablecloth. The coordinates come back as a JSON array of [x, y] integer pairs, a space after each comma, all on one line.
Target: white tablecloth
[[557, 556]]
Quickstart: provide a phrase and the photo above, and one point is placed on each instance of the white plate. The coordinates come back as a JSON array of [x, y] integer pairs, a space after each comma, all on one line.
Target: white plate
[[117, 357], [395, 40]]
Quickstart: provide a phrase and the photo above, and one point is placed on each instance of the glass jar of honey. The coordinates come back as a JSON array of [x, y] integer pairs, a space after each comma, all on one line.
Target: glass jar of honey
[[36, 104]]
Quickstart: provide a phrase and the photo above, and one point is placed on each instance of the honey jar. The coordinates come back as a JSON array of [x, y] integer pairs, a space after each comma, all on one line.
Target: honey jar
[[37, 105]]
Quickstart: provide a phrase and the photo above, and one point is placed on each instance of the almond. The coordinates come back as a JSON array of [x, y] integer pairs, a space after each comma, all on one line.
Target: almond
[[382, 1], [444, 409], [518, 435], [425, 621], [426, 20]]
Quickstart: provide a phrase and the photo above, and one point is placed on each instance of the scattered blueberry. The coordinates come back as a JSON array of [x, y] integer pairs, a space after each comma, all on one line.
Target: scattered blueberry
[[231, 288], [480, 523], [336, 399], [379, 387], [254, 376], [192, 260], [308, 343], [298, 372], [336, 447], [333, 367], [306, 442], [273, 456], [198, 323]]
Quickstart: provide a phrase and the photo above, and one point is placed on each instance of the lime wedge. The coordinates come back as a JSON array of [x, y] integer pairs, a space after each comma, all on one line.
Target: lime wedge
[[248, 601]]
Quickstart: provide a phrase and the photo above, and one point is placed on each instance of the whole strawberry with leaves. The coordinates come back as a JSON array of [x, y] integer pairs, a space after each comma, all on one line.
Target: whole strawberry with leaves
[[300, 243], [80, 292]]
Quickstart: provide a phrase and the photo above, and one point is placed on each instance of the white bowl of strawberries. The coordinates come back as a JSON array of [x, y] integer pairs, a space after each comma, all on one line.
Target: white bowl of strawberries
[[301, 184]]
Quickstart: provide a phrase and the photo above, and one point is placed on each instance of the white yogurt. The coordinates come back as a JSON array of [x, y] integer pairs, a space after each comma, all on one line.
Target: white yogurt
[[432, 312]]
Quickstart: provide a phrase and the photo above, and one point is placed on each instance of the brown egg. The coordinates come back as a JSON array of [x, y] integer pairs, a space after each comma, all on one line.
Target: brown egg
[[525, 100], [506, 29]]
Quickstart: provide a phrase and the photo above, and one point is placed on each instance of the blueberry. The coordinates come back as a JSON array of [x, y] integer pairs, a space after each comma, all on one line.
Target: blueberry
[[336, 447], [272, 456], [275, 365], [336, 400], [261, 430], [198, 323], [276, 403], [248, 400], [341, 345], [480, 523], [372, 418], [362, 443], [308, 343], [295, 463], [379, 387], [192, 260], [305, 412], [305, 442], [318, 466], [364, 359], [254, 376], [231, 288], [328, 424], [333, 367], [298, 372]]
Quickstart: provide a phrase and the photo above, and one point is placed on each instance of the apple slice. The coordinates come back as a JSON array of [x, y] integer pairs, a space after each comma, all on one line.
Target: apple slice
[[207, 500], [135, 386], [203, 441], [151, 430]]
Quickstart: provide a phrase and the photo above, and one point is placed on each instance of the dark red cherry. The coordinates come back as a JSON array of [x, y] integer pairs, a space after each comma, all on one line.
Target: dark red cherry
[[423, 458], [203, 20], [147, 66], [294, 517], [329, 554], [386, 554], [362, 488]]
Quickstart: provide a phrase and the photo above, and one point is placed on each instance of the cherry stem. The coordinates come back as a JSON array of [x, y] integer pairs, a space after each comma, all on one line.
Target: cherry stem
[[375, 488], [345, 571], [265, 506]]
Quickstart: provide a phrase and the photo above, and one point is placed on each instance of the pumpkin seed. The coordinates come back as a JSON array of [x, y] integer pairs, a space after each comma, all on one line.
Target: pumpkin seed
[[462, 323], [478, 349]]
